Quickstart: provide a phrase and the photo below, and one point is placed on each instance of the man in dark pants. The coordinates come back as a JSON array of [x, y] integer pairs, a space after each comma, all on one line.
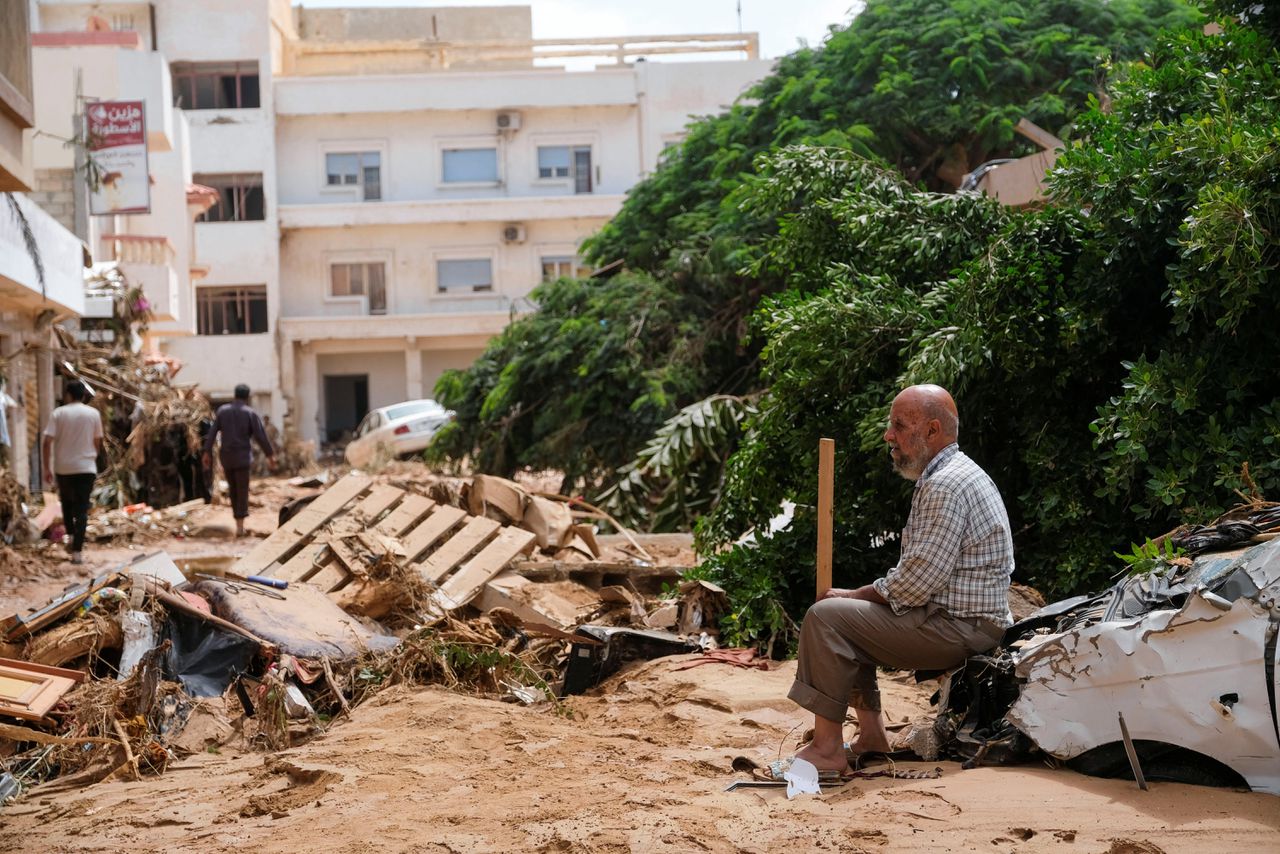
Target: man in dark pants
[[72, 440], [240, 427]]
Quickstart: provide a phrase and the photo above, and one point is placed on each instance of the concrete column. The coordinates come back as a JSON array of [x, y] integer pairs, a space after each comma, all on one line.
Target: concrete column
[[308, 393], [45, 403], [412, 370], [284, 406], [17, 417]]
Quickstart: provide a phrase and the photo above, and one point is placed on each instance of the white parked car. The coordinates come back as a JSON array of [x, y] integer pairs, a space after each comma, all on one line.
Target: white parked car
[[399, 430]]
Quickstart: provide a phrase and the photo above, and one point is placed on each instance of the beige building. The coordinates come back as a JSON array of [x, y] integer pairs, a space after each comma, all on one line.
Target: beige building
[[391, 183], [41, 261]]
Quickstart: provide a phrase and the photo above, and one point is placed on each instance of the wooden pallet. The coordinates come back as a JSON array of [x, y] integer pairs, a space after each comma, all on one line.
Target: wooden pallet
[[341, 534]]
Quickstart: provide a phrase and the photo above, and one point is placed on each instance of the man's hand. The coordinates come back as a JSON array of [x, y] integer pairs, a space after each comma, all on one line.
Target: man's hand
[[866, 593], [48, 477], [206, 460], [271, 463]]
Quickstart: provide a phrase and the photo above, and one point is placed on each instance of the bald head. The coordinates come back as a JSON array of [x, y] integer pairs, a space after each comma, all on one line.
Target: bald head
[[922, 421], [933, 403]]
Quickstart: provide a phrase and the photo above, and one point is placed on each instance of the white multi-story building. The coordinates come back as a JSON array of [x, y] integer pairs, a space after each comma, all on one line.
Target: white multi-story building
[[41, 260], [392, 183]]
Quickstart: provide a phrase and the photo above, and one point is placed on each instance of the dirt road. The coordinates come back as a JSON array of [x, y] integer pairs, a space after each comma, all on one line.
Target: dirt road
[[640, 767]]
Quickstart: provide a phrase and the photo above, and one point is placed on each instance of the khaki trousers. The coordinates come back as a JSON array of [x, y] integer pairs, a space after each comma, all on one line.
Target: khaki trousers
[[843, 641]]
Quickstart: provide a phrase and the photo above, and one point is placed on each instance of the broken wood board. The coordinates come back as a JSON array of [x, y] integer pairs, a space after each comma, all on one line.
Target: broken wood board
[[22, 625], [350, 526], [599, 573], [489, 494], [562, 603], [431, 530], [288, 538], [463, 586], [452, 552], [302, 565], [406, 516], [29, 691], [380, 499]]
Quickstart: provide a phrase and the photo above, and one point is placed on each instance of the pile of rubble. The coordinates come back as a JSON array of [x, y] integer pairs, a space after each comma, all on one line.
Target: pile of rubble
[[481, 586]]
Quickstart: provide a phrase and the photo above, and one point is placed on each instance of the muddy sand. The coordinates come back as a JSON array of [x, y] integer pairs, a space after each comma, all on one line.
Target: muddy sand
[[640, 766]]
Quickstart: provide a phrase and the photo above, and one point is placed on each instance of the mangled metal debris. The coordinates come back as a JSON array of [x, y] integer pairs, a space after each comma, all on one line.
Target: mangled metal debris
[[1188, 657], [1195, 668]]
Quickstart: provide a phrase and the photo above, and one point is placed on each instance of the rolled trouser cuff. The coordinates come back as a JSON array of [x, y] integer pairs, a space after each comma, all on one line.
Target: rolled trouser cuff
[[867, 700], [808, 697]]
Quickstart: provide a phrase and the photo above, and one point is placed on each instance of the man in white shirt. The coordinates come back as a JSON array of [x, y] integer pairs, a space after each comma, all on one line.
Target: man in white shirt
[[72, 440]]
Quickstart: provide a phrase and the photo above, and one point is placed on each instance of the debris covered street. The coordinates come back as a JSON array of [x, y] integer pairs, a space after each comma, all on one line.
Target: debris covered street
[[482, 428], [641, 767], [640, 762]]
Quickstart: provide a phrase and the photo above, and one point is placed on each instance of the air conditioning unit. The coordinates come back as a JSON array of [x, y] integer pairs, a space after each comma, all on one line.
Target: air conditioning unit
[[513, 232], [508, 120]]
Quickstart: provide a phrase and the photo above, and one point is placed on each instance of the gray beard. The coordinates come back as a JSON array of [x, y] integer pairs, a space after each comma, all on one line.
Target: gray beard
[[911, 474]]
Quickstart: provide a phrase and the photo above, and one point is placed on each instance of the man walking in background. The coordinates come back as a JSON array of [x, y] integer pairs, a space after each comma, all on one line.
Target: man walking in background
[[72, 440], [239, 427]]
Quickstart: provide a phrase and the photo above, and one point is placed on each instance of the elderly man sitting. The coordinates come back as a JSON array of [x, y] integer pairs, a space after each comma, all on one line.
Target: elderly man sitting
[[946, 599]]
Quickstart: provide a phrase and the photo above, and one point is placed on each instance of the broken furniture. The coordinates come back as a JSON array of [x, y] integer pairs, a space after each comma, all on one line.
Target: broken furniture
[[341, 535], [29, 691]]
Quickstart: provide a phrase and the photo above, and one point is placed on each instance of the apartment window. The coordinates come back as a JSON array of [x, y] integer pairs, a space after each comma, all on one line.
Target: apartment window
[[361, 279], [360, 169], [240, 198], [215, 85], [566, 161], [563, 267], [238, 310], [468, 275], [469, 165]]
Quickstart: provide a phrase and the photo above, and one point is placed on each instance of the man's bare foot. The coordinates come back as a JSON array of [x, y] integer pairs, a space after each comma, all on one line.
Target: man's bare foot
[[836, 761], [862, 744]]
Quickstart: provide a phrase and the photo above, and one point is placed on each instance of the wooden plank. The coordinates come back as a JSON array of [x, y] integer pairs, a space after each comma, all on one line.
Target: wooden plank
[[826, 481], [304, 564], [347, 563], [442, 561], [330, 577], [463, 586], [286, 540], [405, 516], [430, 531], [379, 499]]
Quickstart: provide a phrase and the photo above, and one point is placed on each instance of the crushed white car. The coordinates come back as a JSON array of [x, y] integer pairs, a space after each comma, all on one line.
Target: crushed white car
[[1189, 658], [399, 430]]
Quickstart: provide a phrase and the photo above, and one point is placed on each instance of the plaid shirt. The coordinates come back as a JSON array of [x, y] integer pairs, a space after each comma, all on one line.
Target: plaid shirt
[[956, 548]]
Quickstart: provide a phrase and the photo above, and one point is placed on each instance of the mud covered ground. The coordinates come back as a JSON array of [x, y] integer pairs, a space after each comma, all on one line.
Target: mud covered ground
[[641, 766]]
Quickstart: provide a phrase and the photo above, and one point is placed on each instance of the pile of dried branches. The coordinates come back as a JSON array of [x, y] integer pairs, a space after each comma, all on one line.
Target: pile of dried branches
[[12, 496], [476, 657], [147, 419]]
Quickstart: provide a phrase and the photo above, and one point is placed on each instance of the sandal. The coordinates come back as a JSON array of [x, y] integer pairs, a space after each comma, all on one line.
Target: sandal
[[775, 772]]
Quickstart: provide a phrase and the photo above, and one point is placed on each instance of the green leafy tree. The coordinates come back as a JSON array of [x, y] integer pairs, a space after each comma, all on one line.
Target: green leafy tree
[[1113, 356], [928, 89], [933, 88], [573, 384]]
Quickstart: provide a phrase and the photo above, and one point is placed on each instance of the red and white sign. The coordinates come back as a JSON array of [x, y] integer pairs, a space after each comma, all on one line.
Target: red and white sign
[[118, 178]]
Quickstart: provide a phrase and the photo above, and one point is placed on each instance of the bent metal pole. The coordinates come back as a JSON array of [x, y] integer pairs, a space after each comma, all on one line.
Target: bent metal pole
[[826, 481]]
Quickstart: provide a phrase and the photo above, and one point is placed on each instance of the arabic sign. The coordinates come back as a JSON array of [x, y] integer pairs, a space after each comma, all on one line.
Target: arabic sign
[[118, 178]]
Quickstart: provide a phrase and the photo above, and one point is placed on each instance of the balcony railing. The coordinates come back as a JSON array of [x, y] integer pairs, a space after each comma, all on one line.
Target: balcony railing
[[149, 249], [304, 57]]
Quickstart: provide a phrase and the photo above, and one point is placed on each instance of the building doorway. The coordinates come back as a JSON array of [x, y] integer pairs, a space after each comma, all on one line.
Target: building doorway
[[346, 402]]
